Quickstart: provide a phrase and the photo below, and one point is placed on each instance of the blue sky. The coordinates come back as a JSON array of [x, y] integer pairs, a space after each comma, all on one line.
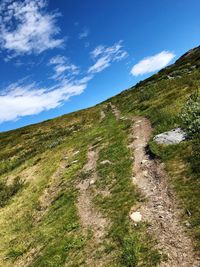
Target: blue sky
[[65, 55]]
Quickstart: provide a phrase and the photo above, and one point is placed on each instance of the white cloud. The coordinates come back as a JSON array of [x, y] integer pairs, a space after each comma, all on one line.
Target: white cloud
[[26, 27], [104, 56], [101, 64], [21, 100], [153, 63], [84, 33], [97, 51], [63, 67]]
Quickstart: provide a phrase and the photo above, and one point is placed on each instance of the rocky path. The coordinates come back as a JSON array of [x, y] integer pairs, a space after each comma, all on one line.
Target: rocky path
[[159, 210]]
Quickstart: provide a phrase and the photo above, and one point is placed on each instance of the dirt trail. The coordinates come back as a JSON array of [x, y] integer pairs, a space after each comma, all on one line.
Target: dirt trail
[[159, 210], [90, 217], [115, 111], [102, 115]]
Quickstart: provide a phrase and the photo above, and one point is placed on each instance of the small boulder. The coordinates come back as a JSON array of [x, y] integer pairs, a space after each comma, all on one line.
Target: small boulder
[[174, 136]]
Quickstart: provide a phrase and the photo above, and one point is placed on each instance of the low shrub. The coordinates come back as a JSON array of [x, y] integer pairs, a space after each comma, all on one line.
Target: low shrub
[[190, 116]]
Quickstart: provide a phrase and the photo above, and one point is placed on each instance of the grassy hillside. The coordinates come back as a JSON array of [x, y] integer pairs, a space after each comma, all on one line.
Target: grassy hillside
[[41, 166]]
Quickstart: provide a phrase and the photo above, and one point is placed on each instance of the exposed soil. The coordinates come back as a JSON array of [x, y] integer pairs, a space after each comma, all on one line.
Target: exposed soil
[[115, 111], [160, 210], [102, 115], [91, 219]]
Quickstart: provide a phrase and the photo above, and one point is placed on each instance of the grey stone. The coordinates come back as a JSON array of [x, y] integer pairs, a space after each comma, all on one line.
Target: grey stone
[[174, 136]]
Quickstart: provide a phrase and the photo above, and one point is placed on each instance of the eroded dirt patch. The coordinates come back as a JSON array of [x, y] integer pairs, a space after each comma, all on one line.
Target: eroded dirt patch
[[91, 218], [115, 111], [160, 209], [102, 115]]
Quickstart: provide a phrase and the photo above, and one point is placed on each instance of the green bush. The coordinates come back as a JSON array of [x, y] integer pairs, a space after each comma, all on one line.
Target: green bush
[[190, 116]]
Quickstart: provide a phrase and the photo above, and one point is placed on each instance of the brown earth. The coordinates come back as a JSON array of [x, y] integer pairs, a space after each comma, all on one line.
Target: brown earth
[[91, 218]]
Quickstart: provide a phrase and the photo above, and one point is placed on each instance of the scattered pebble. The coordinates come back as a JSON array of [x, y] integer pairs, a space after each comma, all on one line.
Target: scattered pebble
[[145, 173], [134, 180], [136, 216], [187, 224], [75, 161], [92, 182], [105, 162], [144, 161]]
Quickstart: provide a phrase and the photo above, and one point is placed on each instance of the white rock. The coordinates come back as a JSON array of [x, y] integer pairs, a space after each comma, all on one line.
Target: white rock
[[136, 216], [174, 136]]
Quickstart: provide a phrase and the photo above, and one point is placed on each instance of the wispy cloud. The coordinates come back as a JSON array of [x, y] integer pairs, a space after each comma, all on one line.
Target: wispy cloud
[[26, 27], [25, 98], [104, 56], [63, 67], [152, 63], [84, 33], [29, 99]]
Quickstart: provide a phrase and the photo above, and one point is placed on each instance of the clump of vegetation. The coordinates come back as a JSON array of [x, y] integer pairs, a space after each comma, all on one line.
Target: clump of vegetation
[[131, 249], [8, 191], [190, 116]]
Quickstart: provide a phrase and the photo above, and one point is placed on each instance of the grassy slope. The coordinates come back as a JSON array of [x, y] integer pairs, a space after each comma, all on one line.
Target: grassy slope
[[57, 238], [34, 154]]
